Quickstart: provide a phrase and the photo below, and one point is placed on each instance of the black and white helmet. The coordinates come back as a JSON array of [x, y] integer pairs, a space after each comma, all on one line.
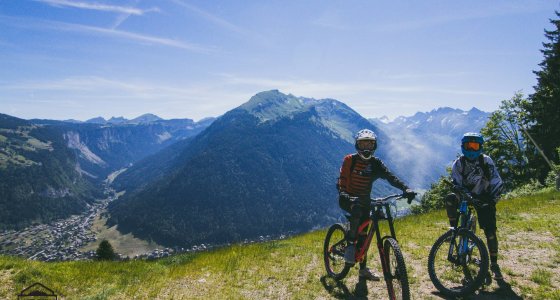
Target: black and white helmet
[[365, 143]]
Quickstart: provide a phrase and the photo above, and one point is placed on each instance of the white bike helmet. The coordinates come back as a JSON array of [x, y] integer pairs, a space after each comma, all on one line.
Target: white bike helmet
[[365, 151]]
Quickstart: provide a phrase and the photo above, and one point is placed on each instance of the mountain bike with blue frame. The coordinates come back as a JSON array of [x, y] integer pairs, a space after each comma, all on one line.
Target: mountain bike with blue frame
[[458, 261], [392, 261]]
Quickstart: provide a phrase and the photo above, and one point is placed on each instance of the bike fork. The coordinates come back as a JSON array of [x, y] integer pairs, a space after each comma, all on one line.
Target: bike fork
[[450, 257], [386, 273]]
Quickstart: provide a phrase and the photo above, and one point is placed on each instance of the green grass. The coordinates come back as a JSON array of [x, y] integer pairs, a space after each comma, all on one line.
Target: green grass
[[293, 268], [541, 277]]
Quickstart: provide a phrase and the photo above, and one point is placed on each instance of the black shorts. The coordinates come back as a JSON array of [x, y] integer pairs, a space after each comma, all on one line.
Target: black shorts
[[487, 217], [356, 210]]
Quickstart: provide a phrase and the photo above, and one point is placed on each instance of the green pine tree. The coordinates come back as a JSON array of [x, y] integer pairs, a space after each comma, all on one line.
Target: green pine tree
[[507, 144], [543, 108], [105, 251]]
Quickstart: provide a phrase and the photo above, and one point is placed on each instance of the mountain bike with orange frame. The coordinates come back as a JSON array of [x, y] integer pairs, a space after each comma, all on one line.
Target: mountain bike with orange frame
[[392, 261]]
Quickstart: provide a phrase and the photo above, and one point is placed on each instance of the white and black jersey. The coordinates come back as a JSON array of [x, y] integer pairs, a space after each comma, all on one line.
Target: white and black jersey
[[471, 175]]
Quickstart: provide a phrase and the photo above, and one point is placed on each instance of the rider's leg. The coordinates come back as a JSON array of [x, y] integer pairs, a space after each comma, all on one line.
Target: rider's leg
[[366, 273], [355, 216], [487, 220], [492, 240], [451, 205], [361, 238], [356, 213]]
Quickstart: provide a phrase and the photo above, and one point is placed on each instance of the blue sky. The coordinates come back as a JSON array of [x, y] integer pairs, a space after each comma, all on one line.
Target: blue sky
[[62, 59]]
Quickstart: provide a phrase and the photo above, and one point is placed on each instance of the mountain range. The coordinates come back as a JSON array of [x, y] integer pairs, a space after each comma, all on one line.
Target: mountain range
[[52, 169], [269, 167], [427, 142], [266, 167], [38, 178]]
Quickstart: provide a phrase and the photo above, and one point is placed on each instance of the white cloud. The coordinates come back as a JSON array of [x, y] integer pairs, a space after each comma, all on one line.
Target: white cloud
[[335, 20], [129, 97], [98, 6], [133, 36], [210, 17], [82, 97], [220, 21], [113, 33], [334, 89]]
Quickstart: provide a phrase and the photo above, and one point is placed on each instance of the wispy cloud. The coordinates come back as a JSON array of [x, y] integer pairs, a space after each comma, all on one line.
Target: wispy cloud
[[220, 21], [307, 87], [113, 33], [382, 74], [94, 86], [130, 97], [210, 17], [126, 97], [98, 6], [87, 84], [334, 20]]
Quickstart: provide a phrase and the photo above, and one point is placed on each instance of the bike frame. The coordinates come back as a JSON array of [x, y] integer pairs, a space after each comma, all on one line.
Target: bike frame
[[465, 213], [376, 211]]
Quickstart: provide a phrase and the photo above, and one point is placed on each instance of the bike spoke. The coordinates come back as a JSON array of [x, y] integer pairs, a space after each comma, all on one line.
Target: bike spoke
[[334, 248], [458, 272]]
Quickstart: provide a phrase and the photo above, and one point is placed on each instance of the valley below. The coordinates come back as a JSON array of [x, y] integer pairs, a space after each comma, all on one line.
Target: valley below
[[59, 240]]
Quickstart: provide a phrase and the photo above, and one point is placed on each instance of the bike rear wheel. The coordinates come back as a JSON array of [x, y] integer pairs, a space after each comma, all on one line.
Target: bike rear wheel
[[458, 273], [397, 279], [333, 252]]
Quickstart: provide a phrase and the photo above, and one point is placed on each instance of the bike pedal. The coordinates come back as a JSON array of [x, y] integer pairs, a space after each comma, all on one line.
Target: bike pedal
[[488, 279]]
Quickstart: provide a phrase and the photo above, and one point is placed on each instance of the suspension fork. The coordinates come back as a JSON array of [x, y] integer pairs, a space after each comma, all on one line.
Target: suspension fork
[[384, 265], [382, 254], [390, 220]]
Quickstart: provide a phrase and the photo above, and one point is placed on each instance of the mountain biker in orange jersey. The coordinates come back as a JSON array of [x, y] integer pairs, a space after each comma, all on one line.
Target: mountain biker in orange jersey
[[477, 173], [357, 174]]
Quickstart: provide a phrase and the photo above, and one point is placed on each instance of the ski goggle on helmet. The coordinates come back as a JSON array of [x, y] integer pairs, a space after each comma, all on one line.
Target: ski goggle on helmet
[[365, 143], [471, 145]]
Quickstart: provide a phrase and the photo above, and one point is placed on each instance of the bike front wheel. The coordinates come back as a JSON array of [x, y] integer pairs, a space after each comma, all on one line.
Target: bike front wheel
[[333, 252], [458, 263], [396, 277]]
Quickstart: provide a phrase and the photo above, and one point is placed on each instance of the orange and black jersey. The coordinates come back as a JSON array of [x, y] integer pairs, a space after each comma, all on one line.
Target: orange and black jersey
[[358, 182]]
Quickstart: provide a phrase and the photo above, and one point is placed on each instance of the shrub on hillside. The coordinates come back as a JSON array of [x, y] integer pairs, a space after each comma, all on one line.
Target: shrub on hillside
[[105, 251], [531, 188]]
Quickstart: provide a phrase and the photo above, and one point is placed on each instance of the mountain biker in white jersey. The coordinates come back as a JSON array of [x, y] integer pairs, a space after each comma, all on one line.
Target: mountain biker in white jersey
[[478, 174]]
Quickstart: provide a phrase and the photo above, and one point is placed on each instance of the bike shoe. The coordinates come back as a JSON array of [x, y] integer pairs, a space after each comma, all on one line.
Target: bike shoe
[[350, 254], [496, 272], [368, 275]]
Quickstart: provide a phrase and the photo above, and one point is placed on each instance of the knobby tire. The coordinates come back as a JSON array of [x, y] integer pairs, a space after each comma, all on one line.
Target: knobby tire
[[333, 252], [397, 279], [466, 286]]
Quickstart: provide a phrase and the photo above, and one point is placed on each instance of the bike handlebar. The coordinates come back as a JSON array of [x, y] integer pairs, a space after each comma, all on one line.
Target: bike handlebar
[[466, 194], [381, 201]]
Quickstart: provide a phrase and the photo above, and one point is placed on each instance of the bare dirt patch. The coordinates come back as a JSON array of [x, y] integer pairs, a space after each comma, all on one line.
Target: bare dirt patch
[[6, 284], [125, 244]]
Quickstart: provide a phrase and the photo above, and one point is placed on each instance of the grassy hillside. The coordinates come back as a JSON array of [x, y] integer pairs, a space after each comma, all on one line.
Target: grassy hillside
[[293, 268]]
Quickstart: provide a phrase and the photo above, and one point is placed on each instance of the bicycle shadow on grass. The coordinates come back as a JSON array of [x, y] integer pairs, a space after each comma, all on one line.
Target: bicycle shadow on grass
[[339, 290], [503, 292]]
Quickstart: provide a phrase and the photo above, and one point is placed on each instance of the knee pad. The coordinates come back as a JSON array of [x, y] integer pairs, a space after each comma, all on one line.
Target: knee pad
[[451, 203]]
